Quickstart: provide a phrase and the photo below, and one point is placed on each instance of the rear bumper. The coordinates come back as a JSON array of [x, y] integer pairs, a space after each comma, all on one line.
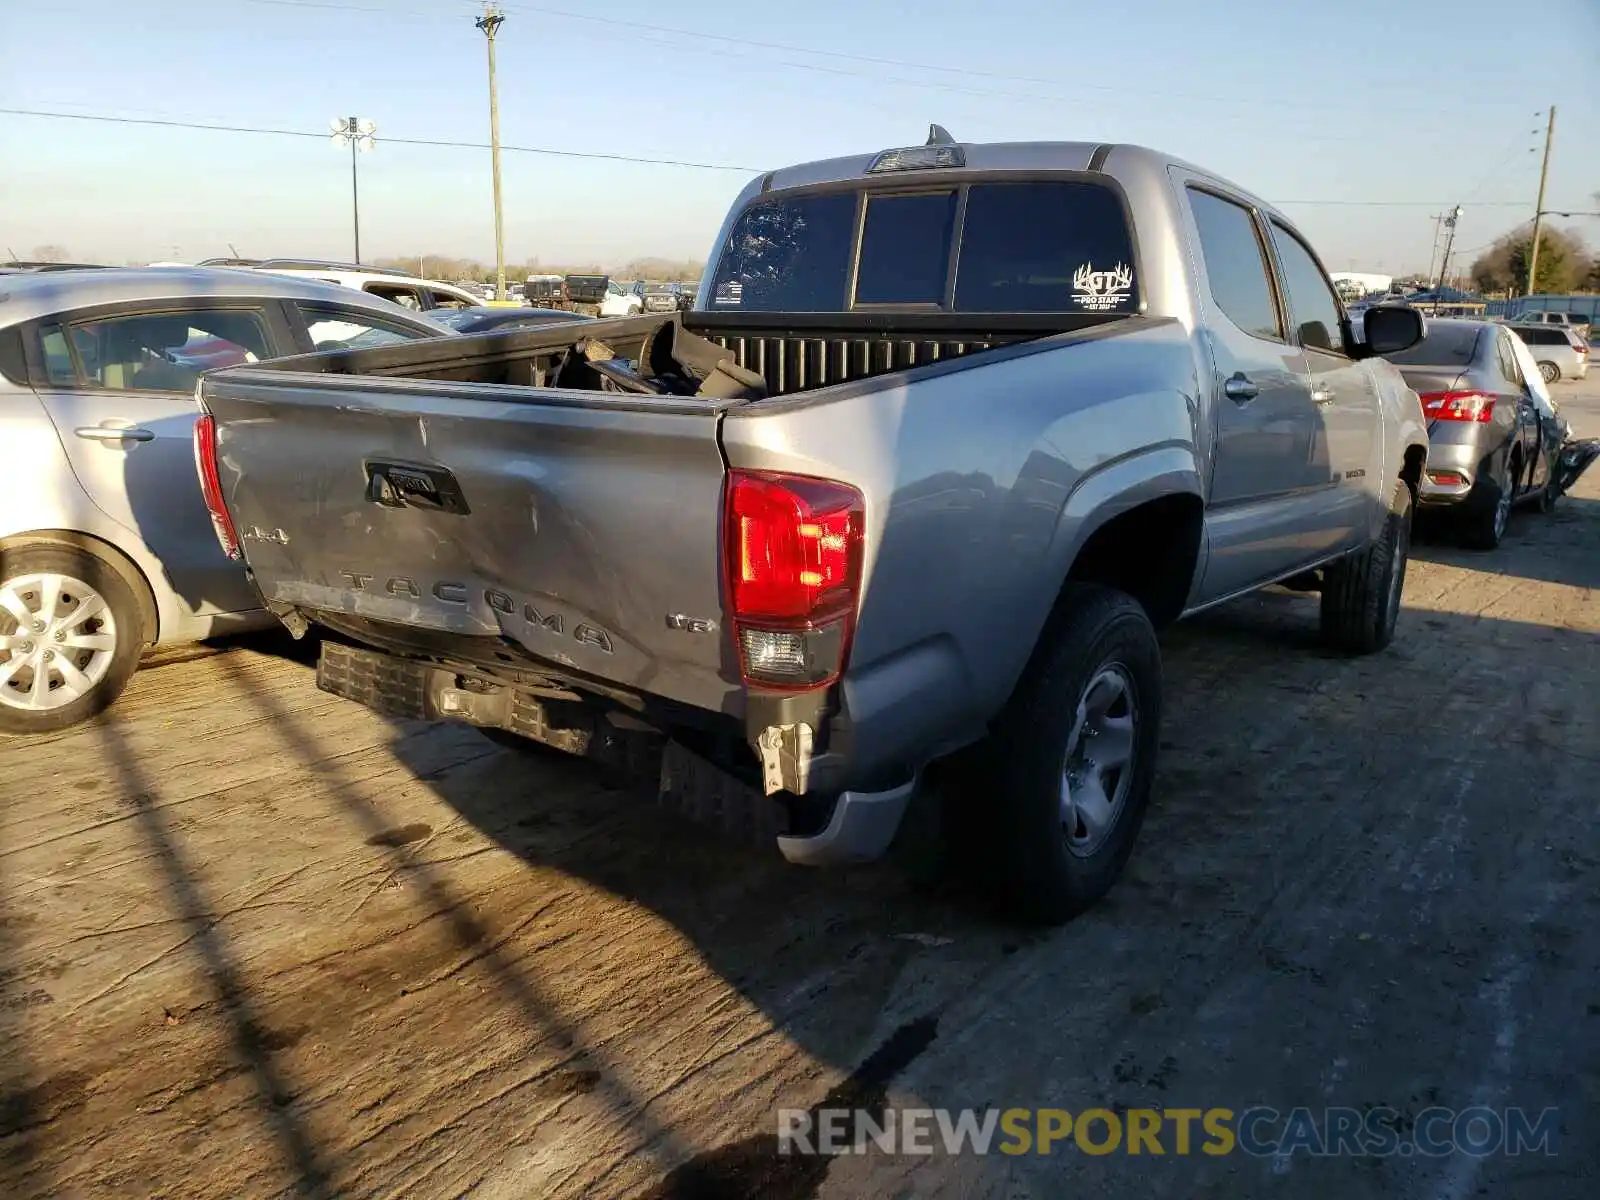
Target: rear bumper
[[1451, 474], [862, 828], [852, 826]]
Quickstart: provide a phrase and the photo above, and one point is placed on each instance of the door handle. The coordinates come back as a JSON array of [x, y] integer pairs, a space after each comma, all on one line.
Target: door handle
[[108, 433], [1239, 389], [1321, 396]]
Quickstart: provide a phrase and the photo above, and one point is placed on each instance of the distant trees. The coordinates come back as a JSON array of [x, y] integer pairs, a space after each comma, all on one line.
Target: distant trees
[[50, 254], [1565, 262]]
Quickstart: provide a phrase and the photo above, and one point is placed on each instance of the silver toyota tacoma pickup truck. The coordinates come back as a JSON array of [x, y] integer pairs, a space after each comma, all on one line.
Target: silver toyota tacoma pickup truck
[[951, 431]]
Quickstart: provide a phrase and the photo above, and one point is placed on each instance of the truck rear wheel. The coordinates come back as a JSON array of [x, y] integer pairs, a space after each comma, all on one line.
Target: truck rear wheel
[[1361, 592], [1074, 757]]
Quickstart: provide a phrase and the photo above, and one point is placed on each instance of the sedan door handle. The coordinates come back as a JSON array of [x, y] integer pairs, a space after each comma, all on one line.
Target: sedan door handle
[[1321, 396], [1239, 389], [109, 433]]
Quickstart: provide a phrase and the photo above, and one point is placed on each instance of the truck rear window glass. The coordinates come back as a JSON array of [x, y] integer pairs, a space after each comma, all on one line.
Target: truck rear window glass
[[788, 255], [1027, 247], [1045, 247], [905, 249]]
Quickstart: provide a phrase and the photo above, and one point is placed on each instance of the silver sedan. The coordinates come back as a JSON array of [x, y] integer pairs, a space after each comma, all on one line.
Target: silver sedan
[[106, 545]]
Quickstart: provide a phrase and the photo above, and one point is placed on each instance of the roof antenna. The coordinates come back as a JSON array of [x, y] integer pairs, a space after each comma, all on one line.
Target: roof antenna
[[938, 135]]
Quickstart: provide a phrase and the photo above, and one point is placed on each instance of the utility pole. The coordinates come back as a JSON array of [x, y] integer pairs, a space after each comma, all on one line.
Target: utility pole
[[1433, 250], [357, 133], [1538, 208], [1449, 244], [490, 23]]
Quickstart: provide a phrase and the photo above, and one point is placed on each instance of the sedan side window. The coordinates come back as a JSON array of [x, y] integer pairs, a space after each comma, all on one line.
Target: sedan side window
[[448, 300], [334, 328], [1508, 362], [57, 358], [1311, 296], [157, 351], [405, 297], [1236, 264]]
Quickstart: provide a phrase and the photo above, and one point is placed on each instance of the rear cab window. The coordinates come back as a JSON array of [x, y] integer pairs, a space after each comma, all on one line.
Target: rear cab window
[[1057, 245]]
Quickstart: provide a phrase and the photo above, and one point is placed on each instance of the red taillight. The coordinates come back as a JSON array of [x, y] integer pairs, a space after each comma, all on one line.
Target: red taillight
[[205, 461], [792, 557], [1457, 406]]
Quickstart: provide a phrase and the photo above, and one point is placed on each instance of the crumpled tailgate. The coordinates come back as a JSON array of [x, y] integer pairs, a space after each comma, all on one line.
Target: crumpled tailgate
[[583, 527]]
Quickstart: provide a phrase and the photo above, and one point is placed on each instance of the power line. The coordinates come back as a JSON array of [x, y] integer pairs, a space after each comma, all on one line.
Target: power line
[[107, 118], [753, 43], [636, 28], [398, 141]]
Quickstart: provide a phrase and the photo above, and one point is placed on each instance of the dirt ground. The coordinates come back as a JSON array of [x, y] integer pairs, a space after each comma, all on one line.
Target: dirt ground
[[257, 940]]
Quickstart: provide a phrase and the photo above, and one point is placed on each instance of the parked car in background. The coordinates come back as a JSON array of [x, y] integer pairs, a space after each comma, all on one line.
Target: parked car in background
[[659, 297], [686, 295], [1560, 352], [106, 545], [1096, 389], [585, 292], [543, 291], [488, 320], [1489, 444], [620, 301], [1539, 316], [419, 295]]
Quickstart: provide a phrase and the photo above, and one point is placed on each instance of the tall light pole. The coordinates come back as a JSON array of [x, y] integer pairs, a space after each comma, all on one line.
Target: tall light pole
[[357, 132], [490, 23], [1538, 207]]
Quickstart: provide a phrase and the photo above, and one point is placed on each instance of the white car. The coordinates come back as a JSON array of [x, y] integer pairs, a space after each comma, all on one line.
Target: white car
[[408, 291], [620, 302]]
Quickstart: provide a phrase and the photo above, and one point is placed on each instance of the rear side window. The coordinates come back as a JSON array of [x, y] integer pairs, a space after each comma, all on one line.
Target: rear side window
[[1543, 337], [1059, 246], [13, 363], [1508, 360], [405, 297], [156, 351], [1236, 264]]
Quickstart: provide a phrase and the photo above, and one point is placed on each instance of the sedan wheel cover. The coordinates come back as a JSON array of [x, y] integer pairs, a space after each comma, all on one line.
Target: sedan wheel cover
[[57, 641], [1097, 770]]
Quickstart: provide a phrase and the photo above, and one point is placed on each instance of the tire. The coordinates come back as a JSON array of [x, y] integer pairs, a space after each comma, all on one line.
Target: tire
[[92, 622], [1549, 372], [1486, 522], [1096, 674], [1361, 592]]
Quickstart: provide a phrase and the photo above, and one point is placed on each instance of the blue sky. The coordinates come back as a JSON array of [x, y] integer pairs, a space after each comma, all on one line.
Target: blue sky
[[1427, 101]]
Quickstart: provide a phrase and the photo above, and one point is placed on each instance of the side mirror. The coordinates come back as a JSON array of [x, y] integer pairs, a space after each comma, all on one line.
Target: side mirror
[[1388, 330]]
